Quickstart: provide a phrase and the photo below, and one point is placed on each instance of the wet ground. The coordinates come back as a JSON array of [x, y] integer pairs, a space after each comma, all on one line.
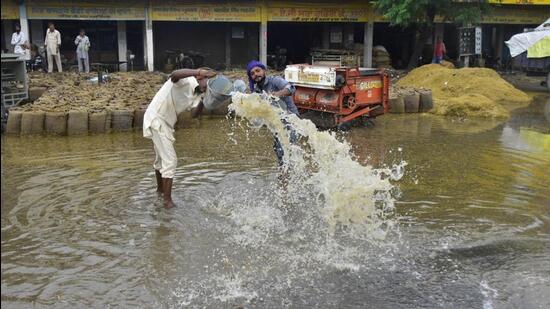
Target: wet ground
[[82, 225]]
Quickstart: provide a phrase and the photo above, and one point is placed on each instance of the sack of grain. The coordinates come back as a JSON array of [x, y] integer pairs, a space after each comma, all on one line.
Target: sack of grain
[[56, 123], [32, 122], [77, 122]]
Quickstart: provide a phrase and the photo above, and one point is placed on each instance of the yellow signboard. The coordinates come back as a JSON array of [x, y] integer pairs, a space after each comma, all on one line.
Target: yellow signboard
[[308, 77], [519, 2], [223, 12], [94, 10], [318, 14], [10, 9], [521, 16]]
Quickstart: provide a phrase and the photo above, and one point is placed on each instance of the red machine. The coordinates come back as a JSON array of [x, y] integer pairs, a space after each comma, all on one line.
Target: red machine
[[332, 96]]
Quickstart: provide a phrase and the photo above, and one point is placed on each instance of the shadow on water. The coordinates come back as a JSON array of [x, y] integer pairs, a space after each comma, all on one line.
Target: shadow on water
[[82, 225]]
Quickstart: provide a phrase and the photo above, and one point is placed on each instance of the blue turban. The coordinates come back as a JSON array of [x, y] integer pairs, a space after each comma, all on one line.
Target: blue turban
[[251, 65]]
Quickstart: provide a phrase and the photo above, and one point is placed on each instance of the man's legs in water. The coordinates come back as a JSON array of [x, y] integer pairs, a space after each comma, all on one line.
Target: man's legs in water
[[159, 181], [167, 187], [165, 164], [284, 171]]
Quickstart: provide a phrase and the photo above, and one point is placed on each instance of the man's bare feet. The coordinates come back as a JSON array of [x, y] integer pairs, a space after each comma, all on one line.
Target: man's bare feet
[[169, 204], [167, 192]]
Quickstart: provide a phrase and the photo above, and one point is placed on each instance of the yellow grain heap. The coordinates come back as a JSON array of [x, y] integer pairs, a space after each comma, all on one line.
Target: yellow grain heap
[[467, 92]]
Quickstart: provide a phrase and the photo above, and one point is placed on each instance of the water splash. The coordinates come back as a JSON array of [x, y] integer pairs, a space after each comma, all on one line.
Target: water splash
[[489, 294], [351, 195]]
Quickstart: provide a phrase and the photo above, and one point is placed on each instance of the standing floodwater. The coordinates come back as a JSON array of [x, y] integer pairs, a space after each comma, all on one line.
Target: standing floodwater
[[82, 225]]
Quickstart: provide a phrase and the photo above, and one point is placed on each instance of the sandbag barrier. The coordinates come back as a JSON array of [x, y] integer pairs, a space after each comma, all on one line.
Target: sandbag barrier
[[84, 122], [412, 103]]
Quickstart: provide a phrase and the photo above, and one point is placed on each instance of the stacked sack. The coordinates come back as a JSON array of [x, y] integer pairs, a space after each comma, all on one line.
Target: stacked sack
[[381, 57]]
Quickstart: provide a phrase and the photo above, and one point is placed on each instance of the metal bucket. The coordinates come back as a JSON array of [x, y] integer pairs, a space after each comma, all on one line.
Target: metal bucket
[[218, 92], [239, 86]]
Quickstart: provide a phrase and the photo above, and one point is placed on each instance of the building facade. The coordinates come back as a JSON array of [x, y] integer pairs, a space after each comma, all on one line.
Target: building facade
[[227, 34]]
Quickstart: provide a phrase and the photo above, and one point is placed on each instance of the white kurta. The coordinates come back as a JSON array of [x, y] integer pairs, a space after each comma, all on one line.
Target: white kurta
[[17, 40], [82, 46], [170, 100], [161, 116], [52, 42]]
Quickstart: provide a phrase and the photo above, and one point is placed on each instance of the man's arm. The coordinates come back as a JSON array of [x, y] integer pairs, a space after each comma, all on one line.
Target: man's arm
[[58, 38], [286, 88], [13, 40], [282, 93], [184, 73]]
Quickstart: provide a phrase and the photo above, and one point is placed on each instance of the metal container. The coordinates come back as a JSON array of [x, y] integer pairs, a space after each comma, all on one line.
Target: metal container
[[218, 92], [239, 86]]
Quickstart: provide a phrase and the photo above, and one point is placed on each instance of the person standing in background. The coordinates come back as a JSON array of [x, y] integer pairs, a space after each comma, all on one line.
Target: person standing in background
[[82, 43], [19, 41], [439, 51], [52, 43]]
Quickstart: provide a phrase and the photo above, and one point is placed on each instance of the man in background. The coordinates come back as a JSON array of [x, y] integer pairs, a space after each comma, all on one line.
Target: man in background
[[19, 41], [439, 51], [82, 43], [52, 43]]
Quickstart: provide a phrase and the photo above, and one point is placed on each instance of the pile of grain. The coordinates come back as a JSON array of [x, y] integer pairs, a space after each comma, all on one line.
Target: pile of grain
[[447, 64], [71, 91], [467, 92], [402, 91]]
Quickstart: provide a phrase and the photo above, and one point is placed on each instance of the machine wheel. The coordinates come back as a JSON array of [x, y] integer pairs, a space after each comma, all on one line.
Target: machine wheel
[[346, 126], [321, 120]]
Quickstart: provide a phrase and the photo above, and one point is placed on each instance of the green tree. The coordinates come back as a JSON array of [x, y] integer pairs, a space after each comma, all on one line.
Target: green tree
[[421, 14]]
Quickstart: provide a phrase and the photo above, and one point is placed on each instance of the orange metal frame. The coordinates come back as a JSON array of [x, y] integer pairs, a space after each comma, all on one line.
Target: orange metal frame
[[359, 96]]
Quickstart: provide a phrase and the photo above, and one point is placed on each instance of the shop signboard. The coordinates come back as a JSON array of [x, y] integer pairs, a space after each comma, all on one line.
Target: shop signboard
[[86, 10], [10, 9], [319, 14], [223, 12]]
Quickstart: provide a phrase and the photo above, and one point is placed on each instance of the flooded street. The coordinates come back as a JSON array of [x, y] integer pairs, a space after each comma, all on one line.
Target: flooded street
[[82, 225]]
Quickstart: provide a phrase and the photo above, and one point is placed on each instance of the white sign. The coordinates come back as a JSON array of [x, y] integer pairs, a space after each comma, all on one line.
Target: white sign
[[478, 41]]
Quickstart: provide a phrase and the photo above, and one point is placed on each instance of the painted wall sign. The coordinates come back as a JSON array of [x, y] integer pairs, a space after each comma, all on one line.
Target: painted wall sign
[[86, 10]]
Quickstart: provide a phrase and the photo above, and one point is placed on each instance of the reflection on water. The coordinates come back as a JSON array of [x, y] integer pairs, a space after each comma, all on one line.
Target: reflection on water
[[82, 225]]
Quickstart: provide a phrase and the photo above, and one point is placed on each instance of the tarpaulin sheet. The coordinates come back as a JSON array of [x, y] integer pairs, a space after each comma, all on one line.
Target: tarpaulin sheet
[[541, 49], [519, 43]]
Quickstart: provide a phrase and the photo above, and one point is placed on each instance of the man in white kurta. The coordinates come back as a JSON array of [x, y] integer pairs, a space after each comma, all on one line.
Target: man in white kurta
[[18, 41], [181, 93], [52, 43], [82, 43]]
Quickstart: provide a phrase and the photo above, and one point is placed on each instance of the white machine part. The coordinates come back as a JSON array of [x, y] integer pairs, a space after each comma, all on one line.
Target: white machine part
[[323, 77]]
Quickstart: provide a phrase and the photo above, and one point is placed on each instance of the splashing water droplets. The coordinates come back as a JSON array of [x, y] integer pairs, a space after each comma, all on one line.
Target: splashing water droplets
[[349, 194]]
